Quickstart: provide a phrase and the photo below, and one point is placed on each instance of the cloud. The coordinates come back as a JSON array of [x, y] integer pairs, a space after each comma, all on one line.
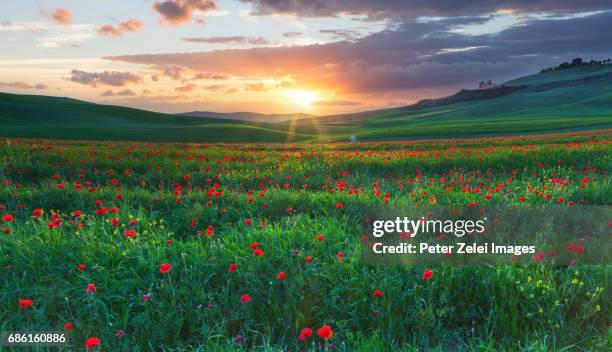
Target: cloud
[[186, 88], [175, 72], [292, 34], [214, 87], [108, 93], [344, 34], [399, 9], [208, 75], [126, 93], [23, 85], [255, 87], [60, 15], [409, 56], [70, 35], [228, 40], [131, 25], [231, 91], [177, 12], [108, 78], [22, 26]]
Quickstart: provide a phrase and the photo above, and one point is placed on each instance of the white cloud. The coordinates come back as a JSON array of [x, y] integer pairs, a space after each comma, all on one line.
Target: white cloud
[[22, 26], [59, 36]]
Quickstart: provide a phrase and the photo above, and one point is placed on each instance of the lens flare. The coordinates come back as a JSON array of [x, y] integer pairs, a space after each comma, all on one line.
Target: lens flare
[[301, 97]]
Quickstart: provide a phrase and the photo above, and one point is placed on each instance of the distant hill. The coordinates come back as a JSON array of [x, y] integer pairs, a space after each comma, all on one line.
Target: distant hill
[[36, 116], [573, 98], [248, 116]]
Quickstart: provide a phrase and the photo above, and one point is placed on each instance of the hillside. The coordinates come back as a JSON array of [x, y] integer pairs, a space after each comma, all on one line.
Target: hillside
[[561, 100], [36, 116], [248, 116], [578, 98]]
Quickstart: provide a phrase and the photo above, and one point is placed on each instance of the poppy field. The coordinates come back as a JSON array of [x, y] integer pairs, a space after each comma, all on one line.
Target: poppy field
[[227, 247]]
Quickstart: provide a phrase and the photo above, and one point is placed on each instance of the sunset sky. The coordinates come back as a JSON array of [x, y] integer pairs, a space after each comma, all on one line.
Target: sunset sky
[[281, 56]]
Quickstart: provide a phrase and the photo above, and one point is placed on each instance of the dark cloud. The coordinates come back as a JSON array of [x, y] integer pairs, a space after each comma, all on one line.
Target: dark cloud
[[131, 25], [176, 12], [344, 34], [410, 55], [228, 40], [411, 8], [23, 85], [108, 78]]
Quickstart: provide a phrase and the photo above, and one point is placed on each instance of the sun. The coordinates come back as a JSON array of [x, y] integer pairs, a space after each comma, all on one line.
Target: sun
[[301, 97]]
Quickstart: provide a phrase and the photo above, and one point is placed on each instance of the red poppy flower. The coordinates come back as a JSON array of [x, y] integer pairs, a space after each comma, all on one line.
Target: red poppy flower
[[245, 298], [539, 256], [81, 267], [25, 303], [92, 342], [6, 231], [339, 205], [7, 217], [377, 293], [209, 231], [165, 267], [325, 332], [254, 245], [281, 276], [91, 288], [320, 238], [258, 252], [68, 326], [427, 274], [305, 334], [308, 259], [247, 222], [130, 233], [232, 268], [37, 212]]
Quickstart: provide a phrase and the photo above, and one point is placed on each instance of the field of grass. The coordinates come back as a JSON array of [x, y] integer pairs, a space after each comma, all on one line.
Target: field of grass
[[580, 105], [227, 247]]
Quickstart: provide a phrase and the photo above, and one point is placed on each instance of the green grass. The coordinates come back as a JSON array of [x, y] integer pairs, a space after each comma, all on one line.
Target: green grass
[[584, 106], [197, 305]]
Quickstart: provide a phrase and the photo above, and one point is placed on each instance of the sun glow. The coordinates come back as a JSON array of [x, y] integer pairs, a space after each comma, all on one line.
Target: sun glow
[[301, 97]]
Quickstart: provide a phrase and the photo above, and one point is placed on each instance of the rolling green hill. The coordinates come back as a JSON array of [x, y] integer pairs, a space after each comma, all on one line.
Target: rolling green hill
[[570, 99]]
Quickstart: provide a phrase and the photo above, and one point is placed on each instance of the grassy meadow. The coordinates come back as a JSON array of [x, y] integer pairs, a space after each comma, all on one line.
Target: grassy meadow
[[231, 247]]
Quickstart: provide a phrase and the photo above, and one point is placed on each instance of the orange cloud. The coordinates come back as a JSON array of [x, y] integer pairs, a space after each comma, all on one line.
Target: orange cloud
[[177, 12], [62, 16], [186, 88], [131, 25], [255, 87]]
